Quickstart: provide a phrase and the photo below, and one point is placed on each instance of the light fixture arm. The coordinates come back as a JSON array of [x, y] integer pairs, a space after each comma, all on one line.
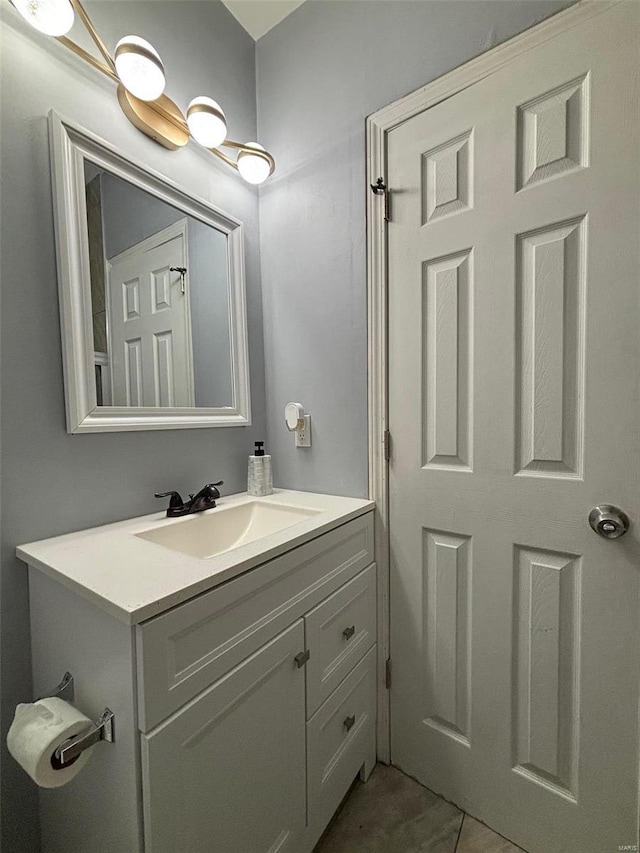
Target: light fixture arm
[[228, 160], [160, 119], [84, 54], [88, 23]]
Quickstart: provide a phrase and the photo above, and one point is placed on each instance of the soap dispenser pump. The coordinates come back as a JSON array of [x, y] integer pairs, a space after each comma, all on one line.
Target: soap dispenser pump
[[260, 478]]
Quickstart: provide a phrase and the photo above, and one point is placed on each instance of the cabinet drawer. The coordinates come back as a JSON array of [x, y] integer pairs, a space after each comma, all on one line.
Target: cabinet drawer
[[340, 737], [183, 651], [339, 632]]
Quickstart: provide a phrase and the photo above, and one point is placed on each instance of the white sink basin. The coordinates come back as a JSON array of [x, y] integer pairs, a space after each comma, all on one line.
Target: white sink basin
[[207, 534]]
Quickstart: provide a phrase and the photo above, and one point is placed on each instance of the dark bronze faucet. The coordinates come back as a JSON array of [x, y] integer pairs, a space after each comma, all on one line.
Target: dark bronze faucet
[[205, 499]]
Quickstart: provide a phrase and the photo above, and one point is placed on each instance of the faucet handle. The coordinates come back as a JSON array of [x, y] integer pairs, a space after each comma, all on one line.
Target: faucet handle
[[176, 501], [213, 489]]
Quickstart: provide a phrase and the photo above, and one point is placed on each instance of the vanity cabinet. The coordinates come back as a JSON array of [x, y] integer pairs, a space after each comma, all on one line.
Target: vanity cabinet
[[243, 715]]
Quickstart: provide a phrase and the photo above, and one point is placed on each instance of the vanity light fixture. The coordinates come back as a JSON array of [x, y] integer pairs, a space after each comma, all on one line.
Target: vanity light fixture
[[138, 71]]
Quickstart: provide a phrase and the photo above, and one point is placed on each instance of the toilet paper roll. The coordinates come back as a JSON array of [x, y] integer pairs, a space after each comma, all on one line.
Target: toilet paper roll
[[37, 731]]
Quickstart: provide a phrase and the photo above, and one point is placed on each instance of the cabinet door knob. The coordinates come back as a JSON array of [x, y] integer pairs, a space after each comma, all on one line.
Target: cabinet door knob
[[349, 632], [302, 657], [349, 722]]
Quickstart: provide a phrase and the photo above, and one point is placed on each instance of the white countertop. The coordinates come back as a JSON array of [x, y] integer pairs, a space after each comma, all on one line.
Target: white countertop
[[134, 579]]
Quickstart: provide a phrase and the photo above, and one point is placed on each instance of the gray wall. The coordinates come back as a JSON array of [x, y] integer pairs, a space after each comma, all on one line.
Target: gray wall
[[320, 73], [53, 482], [130, 215]]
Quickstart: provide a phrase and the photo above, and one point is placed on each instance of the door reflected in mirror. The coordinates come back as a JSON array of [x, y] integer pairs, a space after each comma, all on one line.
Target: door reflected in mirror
[[159, 300]]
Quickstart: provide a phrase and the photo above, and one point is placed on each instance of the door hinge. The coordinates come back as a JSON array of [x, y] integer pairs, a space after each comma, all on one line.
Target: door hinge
[[386, 443], [387, 674], [380, 188], [183, 272]]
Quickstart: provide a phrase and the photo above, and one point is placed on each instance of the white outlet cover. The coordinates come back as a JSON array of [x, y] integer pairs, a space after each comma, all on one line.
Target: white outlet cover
[[303, 436]]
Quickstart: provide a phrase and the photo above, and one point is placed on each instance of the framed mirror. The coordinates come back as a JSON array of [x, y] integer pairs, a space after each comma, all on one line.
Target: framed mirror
[[152, 295]]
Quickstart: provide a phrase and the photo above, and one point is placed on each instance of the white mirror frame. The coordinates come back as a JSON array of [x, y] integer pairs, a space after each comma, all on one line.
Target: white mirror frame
[[70, 147]]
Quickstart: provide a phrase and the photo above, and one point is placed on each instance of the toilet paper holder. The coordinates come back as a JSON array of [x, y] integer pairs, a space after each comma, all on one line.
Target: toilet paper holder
[[104, 729], [65, 690]]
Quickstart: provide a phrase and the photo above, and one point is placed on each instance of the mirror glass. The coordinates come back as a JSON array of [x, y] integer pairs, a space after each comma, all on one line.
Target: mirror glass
[[160, 299]]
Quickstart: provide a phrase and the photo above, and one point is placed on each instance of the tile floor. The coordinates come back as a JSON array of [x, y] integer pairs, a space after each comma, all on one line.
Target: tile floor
[[394, 814]]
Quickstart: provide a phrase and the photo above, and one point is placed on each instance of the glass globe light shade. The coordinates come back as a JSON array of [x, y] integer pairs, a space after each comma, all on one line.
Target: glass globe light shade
[[139, 68], [253, 168], [52, 17], [206, 121]]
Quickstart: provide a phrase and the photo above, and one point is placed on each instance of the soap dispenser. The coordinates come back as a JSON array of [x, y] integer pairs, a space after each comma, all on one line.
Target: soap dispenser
[[260, 478]]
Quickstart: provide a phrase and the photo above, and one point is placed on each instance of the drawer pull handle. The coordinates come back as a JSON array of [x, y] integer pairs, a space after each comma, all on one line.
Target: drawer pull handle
[[349, 722], [301, 658], [349, 632]]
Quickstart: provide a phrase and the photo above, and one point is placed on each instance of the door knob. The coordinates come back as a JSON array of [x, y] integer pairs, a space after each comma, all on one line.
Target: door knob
[[609, 521]]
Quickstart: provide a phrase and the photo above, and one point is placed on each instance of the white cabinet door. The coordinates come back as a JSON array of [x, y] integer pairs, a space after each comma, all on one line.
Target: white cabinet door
[[226, 774]]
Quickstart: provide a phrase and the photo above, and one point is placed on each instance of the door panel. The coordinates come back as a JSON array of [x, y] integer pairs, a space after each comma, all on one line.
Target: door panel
[[514, 345], [550, 339]]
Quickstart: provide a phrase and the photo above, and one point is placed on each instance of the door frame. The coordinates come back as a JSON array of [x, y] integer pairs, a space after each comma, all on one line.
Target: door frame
[[378, 126]]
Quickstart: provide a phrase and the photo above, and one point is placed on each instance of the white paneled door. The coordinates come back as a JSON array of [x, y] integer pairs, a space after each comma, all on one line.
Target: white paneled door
[[149, 325], [514, 409]]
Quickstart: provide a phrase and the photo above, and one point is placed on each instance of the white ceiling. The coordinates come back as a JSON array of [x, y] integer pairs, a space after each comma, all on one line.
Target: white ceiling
[[259, 16]]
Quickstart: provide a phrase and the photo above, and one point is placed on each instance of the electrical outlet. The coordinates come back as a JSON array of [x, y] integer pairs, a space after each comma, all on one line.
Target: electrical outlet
[[303, 436]]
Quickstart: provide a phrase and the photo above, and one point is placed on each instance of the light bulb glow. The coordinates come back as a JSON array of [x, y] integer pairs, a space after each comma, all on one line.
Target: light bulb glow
[[206, 121], [51, 17], [139, 68], [254, 168]]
